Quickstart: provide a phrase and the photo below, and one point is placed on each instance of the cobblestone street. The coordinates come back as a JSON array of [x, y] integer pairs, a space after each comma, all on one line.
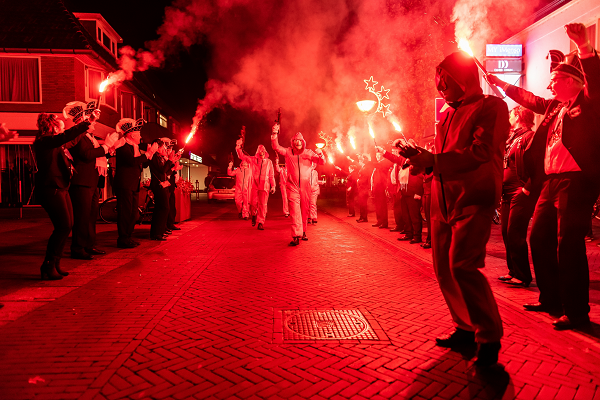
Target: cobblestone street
[[202, 316]]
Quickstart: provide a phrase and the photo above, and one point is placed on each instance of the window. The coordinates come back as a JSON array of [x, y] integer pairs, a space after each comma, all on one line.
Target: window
[[106, 41], [163, 121], [99, 34], [149, 113], [94, 80], [20, 80], [109, 97], [127, 105]]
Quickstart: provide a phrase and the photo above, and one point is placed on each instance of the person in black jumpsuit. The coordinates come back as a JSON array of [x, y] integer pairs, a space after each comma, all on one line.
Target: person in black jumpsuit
[[53, 179]]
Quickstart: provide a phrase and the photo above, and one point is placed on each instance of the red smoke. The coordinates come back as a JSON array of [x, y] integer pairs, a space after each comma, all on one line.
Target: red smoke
[[310, 56]]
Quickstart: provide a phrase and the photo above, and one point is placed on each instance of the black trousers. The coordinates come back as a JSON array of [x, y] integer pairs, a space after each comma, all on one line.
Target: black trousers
[[350, 202], [161, 211], [82, 198], [560, 222], [172, 210], [398, 218], [515, 214], [411, 211], [381, 210], [94, 214], [363, 200], [57, 204], [427, 211], [127, 212]]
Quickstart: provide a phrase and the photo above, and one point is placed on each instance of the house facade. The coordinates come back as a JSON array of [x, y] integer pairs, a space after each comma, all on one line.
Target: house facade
[[50, 56]]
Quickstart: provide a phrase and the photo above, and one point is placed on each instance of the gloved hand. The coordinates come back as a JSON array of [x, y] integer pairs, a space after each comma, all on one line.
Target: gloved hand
[[495, 80]]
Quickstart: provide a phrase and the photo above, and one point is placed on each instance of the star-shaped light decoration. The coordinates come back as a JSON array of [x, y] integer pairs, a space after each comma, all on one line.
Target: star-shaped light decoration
[[370, 84], [384, 109], [326, 138]]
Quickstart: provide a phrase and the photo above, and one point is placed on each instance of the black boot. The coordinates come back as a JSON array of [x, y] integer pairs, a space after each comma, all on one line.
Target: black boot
[[487, 354], [57, 267], [253, 220], [295, 241], [49, 272]]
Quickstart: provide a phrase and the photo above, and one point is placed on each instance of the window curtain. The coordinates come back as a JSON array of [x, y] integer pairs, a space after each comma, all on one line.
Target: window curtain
[[19, 79], [127, 105], [94, 81]]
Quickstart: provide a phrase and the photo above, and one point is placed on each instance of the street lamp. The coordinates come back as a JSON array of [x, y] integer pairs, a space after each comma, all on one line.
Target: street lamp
[[365, 105]]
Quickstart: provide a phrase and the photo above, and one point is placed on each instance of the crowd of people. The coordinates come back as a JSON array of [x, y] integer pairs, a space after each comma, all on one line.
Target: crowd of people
[[298, 182], [482, 157], [72, 168]]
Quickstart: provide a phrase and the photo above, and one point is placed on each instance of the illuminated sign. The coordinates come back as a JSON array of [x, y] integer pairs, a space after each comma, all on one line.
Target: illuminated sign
[[504, 65], [195, 157], [504, 50]]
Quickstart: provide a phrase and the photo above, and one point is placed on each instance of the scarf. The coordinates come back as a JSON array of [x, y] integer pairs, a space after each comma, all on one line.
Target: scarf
[[403, 178], [101, 162], [136, 147]]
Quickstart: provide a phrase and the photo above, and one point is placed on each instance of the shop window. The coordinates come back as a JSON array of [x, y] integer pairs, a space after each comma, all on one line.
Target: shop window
[[20, 80]]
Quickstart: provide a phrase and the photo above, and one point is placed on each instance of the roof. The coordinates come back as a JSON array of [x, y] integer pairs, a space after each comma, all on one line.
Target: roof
[[99, 17], [40, 24]]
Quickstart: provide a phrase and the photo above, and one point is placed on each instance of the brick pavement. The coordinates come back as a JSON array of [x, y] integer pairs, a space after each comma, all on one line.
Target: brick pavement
[[194, 317]]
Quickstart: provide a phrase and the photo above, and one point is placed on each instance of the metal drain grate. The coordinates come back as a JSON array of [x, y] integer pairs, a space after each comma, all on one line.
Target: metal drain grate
[[326, 325]]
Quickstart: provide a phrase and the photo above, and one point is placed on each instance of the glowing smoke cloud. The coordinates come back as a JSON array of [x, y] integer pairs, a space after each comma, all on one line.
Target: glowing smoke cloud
[[482, 22], [311, 56]]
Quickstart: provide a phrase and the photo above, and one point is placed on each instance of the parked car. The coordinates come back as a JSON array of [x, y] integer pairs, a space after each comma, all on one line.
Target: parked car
[[221, 188]]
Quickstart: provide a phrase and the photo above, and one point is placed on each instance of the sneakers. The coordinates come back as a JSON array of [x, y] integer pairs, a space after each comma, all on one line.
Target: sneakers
[[304, 236], [458, 338], [295, 241]]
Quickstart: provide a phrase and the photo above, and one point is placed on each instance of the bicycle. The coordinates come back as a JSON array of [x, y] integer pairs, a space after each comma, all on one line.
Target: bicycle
[[108, 209]]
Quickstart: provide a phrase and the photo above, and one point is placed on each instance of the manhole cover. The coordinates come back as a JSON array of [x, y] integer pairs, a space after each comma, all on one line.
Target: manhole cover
[[326, 325]]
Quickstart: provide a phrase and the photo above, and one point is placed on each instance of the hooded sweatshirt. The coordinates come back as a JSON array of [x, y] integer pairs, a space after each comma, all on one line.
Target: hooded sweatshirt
[[299, 163], [469, 142], [263, 174]]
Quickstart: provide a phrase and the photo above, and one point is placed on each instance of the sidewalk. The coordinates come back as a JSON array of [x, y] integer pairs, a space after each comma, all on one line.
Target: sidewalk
[[222, 310]]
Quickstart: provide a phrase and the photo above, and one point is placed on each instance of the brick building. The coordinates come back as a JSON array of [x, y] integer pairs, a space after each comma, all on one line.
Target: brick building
[[50, 56]]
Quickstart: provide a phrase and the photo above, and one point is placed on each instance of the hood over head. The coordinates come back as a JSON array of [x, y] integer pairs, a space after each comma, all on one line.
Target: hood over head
[[297, 136], [461, 67], [261, 148]]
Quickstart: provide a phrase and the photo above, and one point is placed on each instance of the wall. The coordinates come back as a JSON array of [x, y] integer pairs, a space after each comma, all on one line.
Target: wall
[[549, 34]]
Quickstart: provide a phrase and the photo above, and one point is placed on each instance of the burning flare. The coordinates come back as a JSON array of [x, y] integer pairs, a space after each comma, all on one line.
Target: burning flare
[[330, 159], [339, 147], [351, 138], [397, 126], [371, 132], [191, 135], [103, 85], [463, 44]]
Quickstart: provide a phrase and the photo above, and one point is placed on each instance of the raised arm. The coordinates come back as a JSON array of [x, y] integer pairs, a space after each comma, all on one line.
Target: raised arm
[[275, 142], [54, 141], [230, 170], [240, 152]]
